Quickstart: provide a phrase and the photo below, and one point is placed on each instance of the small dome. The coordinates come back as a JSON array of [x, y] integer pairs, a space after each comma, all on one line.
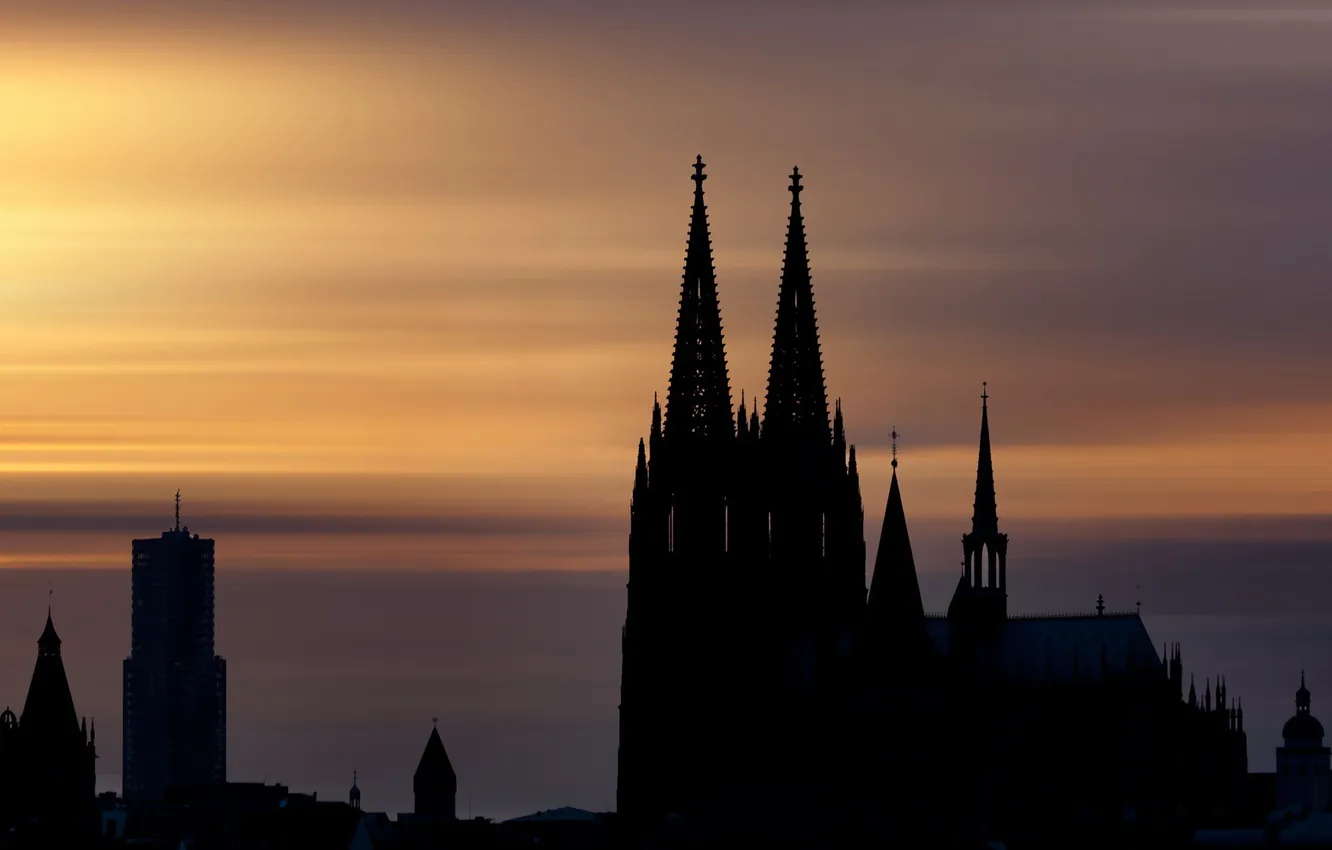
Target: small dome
[[1302, 727]]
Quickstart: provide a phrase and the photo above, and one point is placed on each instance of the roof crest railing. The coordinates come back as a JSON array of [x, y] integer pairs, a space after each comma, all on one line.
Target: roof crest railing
[[1052, 615]]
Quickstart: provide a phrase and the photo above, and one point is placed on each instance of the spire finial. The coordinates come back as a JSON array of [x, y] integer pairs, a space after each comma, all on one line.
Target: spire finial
[[1139, 603], [1100, 605], [50, 592], [435, 720], [699, 176], [985, 393], [894, 436], [796, 188], [178, 510]]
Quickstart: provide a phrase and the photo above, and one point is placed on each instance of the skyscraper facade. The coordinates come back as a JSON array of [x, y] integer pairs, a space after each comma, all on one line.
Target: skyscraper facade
[[175, 686]]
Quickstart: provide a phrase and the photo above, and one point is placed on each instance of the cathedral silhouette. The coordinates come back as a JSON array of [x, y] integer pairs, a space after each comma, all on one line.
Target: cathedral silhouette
[[48, 758], [768, 694]]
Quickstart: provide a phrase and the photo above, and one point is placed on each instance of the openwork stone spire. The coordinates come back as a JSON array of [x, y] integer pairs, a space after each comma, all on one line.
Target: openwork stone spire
[[985, 513], [698, 404], [797, 403]]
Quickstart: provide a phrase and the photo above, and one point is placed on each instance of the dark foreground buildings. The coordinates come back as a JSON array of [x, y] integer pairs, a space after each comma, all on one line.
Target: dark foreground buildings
[[48, 761], [175, 687], [767, 694]]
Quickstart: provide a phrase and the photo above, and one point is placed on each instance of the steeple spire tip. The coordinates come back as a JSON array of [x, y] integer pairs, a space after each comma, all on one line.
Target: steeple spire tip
[[796, 410]]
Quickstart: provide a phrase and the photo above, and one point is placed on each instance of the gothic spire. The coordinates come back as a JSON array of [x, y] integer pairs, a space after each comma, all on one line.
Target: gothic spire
[[895, 611], [698, 403], [797, 404], [985, 513], [839, 433], [49, 709], [641, 470]]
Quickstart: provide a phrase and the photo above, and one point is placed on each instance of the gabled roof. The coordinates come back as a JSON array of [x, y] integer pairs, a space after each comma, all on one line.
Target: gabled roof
[[564, 814], [1059, 649]]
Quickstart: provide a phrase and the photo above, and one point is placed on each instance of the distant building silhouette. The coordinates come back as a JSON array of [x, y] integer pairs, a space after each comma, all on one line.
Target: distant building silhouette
[[760, 680], [434, 784], [1302, 764], [174, 684], [48, 756]]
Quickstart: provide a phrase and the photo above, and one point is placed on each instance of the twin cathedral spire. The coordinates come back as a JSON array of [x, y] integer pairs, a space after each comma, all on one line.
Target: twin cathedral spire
[[698, 401], [747, 579]]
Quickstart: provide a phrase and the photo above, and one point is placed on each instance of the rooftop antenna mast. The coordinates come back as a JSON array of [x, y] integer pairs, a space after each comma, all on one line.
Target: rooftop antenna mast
[[178, 510]]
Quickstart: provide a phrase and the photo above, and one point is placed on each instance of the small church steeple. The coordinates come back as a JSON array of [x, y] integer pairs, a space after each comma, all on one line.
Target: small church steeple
[[985, 513], [982, 593], [435, 784]]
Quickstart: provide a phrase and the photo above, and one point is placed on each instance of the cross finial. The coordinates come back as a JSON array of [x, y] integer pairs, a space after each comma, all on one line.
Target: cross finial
[[699, 176], [894, 436], [985, 392], [796, 188], [178, 510]]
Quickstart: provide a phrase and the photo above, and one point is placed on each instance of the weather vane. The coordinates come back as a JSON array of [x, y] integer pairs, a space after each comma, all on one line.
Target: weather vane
[[894, 436]]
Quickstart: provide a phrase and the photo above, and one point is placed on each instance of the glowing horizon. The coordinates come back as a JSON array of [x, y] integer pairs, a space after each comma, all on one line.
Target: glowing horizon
[[432, 265]]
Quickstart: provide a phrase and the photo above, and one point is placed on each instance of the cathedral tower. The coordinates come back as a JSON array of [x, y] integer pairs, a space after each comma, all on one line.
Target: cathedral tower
[[816, 520], [683, 586]]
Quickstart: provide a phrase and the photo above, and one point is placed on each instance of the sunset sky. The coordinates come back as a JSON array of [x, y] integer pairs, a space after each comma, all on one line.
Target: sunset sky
[[390, 286]]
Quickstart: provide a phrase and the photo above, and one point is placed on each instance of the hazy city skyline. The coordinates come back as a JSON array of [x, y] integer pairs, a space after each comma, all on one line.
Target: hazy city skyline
[[388, 296]]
